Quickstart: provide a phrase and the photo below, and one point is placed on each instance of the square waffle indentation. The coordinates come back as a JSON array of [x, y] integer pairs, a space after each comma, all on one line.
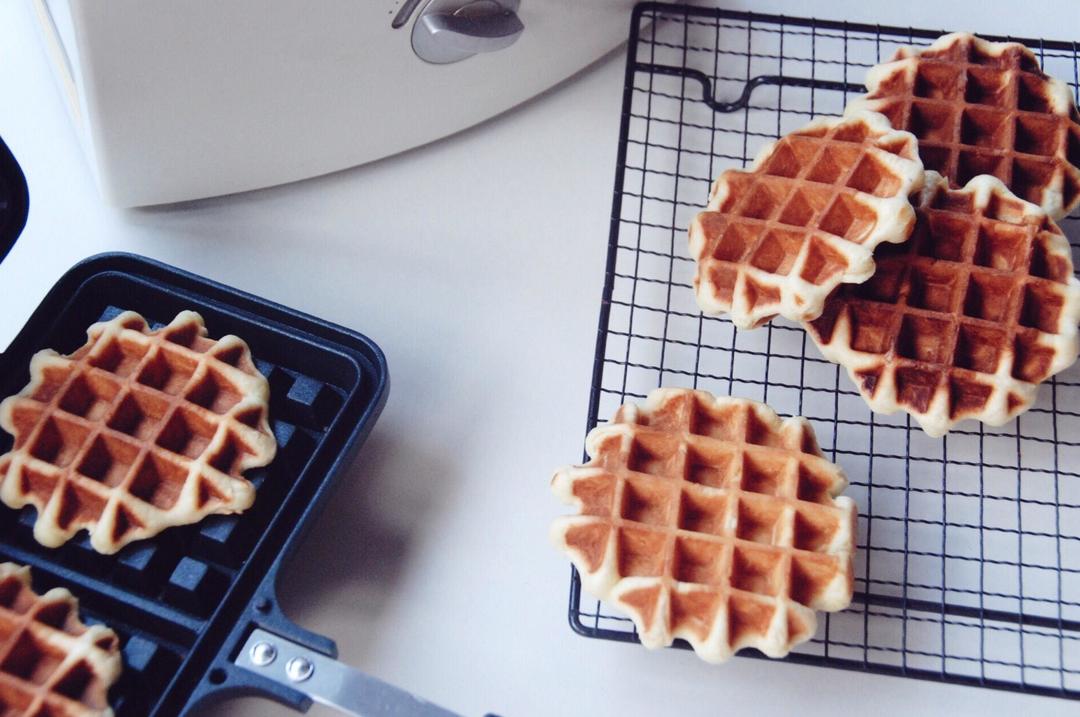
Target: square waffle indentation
[[59, 441], [187, 435], [213, 392], [989, 296], [813, 486], [650, 501], [979, 347], [987, 87], [704, 562], [932, 122], [31, 659], [759, 520], [108, 460], [939, 81], [653, 454], [1046, 263], [1037, 134], [814, 530], [1042, 306], [822, 262], [848, 218], [139, 414], [935, 287], [167, 372], [1002, 246], [641, 552], [871, 327], [873, 177], [778, 251], [948, 235], [924, 339], [811, 575], [702, 512], [1032, 360], [1030, 176], [710, 465], [764, 473], [764, 200], [941, 159], [1031, 94], [118, 356], [983, 127], [756, 570], [158, 481], [89, 396], [737, 240]]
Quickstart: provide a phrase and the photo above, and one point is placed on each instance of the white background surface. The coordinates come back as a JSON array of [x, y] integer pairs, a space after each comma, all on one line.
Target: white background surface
[[476, 263]]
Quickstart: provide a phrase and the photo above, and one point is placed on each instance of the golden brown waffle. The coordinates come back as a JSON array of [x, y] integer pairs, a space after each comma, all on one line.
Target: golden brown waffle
[[712, 520], [135, 432], [967, 318], [982, 107], [777, 237], [51, 664]]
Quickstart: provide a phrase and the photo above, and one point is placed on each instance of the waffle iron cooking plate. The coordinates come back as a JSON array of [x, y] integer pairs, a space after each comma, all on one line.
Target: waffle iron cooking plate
[[185, 601]]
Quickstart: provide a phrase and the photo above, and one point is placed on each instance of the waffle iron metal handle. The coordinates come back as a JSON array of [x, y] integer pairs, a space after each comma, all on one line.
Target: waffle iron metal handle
[[328, 681]]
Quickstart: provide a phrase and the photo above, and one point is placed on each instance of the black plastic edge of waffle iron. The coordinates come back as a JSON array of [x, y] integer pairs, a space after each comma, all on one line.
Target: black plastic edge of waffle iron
[[574, 613], [14, 200], [206, 673]]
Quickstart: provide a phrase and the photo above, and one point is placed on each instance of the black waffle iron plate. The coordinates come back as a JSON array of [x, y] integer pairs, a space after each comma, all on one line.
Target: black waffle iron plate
[[184, 602]]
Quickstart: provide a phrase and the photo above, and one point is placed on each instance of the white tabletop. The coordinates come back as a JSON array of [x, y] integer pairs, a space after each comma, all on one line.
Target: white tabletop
[[476, 263]]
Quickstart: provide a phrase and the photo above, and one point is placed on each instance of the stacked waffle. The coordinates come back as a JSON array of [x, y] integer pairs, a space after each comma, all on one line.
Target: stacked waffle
[[915, 240], [967, 155]]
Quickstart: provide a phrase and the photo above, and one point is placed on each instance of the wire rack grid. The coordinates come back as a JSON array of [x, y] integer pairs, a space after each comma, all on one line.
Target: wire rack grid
[[968, 562]]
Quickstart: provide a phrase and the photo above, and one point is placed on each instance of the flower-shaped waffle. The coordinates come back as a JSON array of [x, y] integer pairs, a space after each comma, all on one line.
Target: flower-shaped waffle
[[777, 237], [982, 107], [136, 431], [710, 519], [965, 319], [51, 664]]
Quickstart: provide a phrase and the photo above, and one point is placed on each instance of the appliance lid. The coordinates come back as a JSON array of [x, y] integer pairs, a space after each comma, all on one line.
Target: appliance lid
[[14, 200]]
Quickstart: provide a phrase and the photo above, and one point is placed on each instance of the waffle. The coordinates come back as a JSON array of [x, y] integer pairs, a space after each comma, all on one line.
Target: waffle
[[712, 520], [982, 107], [136, 431], [777, 237], [967, 318], [51, 664]]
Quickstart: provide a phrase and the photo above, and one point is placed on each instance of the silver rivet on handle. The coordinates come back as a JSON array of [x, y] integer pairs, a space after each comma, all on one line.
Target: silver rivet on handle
[[263, 653], [299, 669]]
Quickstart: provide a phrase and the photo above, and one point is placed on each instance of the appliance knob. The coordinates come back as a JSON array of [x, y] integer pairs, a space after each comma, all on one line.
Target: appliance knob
[[451, 30]]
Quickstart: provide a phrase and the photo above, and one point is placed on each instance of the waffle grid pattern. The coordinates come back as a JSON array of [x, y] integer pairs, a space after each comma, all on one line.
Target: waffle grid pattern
[[964, 320], [135, 432], [712, 520], [967, 559], [804, 218], [985, 108], [51, 664]]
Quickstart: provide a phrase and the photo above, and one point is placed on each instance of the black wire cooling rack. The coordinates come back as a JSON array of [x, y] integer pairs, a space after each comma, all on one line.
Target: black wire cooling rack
[[968, 563]]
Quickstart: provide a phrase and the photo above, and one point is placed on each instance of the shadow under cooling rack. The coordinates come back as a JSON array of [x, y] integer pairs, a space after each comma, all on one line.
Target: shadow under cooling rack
[[968, 562]]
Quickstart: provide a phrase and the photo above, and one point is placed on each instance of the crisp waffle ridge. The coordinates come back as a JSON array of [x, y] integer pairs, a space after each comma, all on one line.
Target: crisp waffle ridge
[[778, 237], [982, 107], [712, 520], [51, 664], [967, 318], [136, 431]]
